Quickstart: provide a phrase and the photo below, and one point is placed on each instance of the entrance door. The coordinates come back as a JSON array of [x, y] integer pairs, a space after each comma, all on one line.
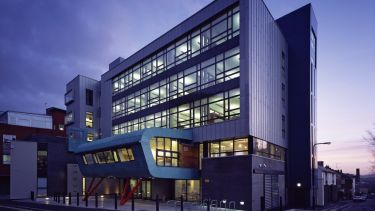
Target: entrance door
[[143, 191], [189, 189], [271, 191], [146, 189]]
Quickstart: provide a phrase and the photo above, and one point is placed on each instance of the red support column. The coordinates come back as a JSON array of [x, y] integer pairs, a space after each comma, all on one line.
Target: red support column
[[123, 201], [88, 190], [94, 188], [126, 185]]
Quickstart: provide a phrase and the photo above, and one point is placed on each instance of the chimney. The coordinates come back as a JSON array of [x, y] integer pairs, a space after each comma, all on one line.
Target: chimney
[[321, 163]]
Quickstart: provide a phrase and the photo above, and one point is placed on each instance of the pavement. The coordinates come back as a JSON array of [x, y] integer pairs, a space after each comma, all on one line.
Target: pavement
[[368, 205], [349, 205], [105, 203]]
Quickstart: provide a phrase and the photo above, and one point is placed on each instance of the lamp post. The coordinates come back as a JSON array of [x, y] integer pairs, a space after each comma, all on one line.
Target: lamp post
[[313, 168]]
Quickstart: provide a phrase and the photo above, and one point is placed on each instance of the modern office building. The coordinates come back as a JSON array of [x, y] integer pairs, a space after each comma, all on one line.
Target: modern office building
[[220, 107]]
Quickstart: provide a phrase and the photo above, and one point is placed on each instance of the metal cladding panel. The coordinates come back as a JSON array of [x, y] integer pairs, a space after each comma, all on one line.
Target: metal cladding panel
[[106, 108], [297, 27], [263, 43], [79, 108], [228, 129], [74, 106]]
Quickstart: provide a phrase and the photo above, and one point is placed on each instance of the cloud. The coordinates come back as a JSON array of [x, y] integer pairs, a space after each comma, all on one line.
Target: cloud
[[45, 44]]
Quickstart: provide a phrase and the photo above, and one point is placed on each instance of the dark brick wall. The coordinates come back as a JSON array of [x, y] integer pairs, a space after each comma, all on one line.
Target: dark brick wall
[[227, 178]]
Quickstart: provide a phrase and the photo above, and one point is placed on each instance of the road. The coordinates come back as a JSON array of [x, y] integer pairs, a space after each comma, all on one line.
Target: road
[[368, 205], [8, 205]]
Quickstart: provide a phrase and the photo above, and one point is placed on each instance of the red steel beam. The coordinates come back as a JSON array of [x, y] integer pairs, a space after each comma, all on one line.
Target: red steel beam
[[126, 185], [88, 190], [94, 188], [123, 201]]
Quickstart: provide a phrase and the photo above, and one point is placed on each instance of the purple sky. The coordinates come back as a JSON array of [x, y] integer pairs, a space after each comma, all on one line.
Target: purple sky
[[47, 43]]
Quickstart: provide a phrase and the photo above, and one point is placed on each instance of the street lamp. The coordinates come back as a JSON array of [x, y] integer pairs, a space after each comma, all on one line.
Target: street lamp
[[313, 168]]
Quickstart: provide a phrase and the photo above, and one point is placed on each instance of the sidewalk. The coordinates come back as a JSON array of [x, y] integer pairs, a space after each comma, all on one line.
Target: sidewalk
[[108, 203], [329, 207]]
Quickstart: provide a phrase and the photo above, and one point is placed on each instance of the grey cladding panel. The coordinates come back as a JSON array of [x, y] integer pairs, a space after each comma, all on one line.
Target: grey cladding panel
[[265, 77]]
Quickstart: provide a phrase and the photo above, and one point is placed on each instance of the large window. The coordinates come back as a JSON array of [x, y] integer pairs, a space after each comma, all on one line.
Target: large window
[[109, 156], [209, 35], [189, 189], [89, 97], [165, 151], [220, 107], [266, 149], [231, 147], [218, 69], [89, 119]]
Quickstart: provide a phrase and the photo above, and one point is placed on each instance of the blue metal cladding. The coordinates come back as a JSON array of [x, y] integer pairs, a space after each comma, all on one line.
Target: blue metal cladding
[[297, 27], [143, 165]]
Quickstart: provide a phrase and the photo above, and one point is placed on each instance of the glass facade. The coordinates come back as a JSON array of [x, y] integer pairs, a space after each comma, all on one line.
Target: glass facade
[[188, 189], [216, 108], [205, 37], [266, 149], [109, 156], [215, 70], [230, 147]]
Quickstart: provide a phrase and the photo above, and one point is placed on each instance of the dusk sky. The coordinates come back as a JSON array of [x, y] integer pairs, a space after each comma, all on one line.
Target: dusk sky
[[45, 44]]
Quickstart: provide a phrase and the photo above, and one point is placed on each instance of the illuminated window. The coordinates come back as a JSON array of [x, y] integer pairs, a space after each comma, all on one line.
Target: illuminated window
[[220, 107], [219, 68], [232, 147], [83, 185], [165, 151], [224, 27], [89, 119], [90, 137], [125, 154], [88, 159], [6, 159]]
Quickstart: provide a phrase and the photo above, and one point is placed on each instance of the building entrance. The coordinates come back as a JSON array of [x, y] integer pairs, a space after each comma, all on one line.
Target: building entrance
[[189, 189], [143, 191], [271, 191]]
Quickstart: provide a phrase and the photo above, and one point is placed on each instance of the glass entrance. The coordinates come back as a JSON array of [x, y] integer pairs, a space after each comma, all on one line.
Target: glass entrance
[[146, 189], [143, 191], [189, 189]]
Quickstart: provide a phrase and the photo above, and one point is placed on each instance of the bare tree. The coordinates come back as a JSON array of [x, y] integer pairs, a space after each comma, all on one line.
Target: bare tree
[[370, 138]]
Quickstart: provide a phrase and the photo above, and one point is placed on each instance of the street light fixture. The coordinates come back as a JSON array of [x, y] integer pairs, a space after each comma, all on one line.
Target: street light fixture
[[313, 168]]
